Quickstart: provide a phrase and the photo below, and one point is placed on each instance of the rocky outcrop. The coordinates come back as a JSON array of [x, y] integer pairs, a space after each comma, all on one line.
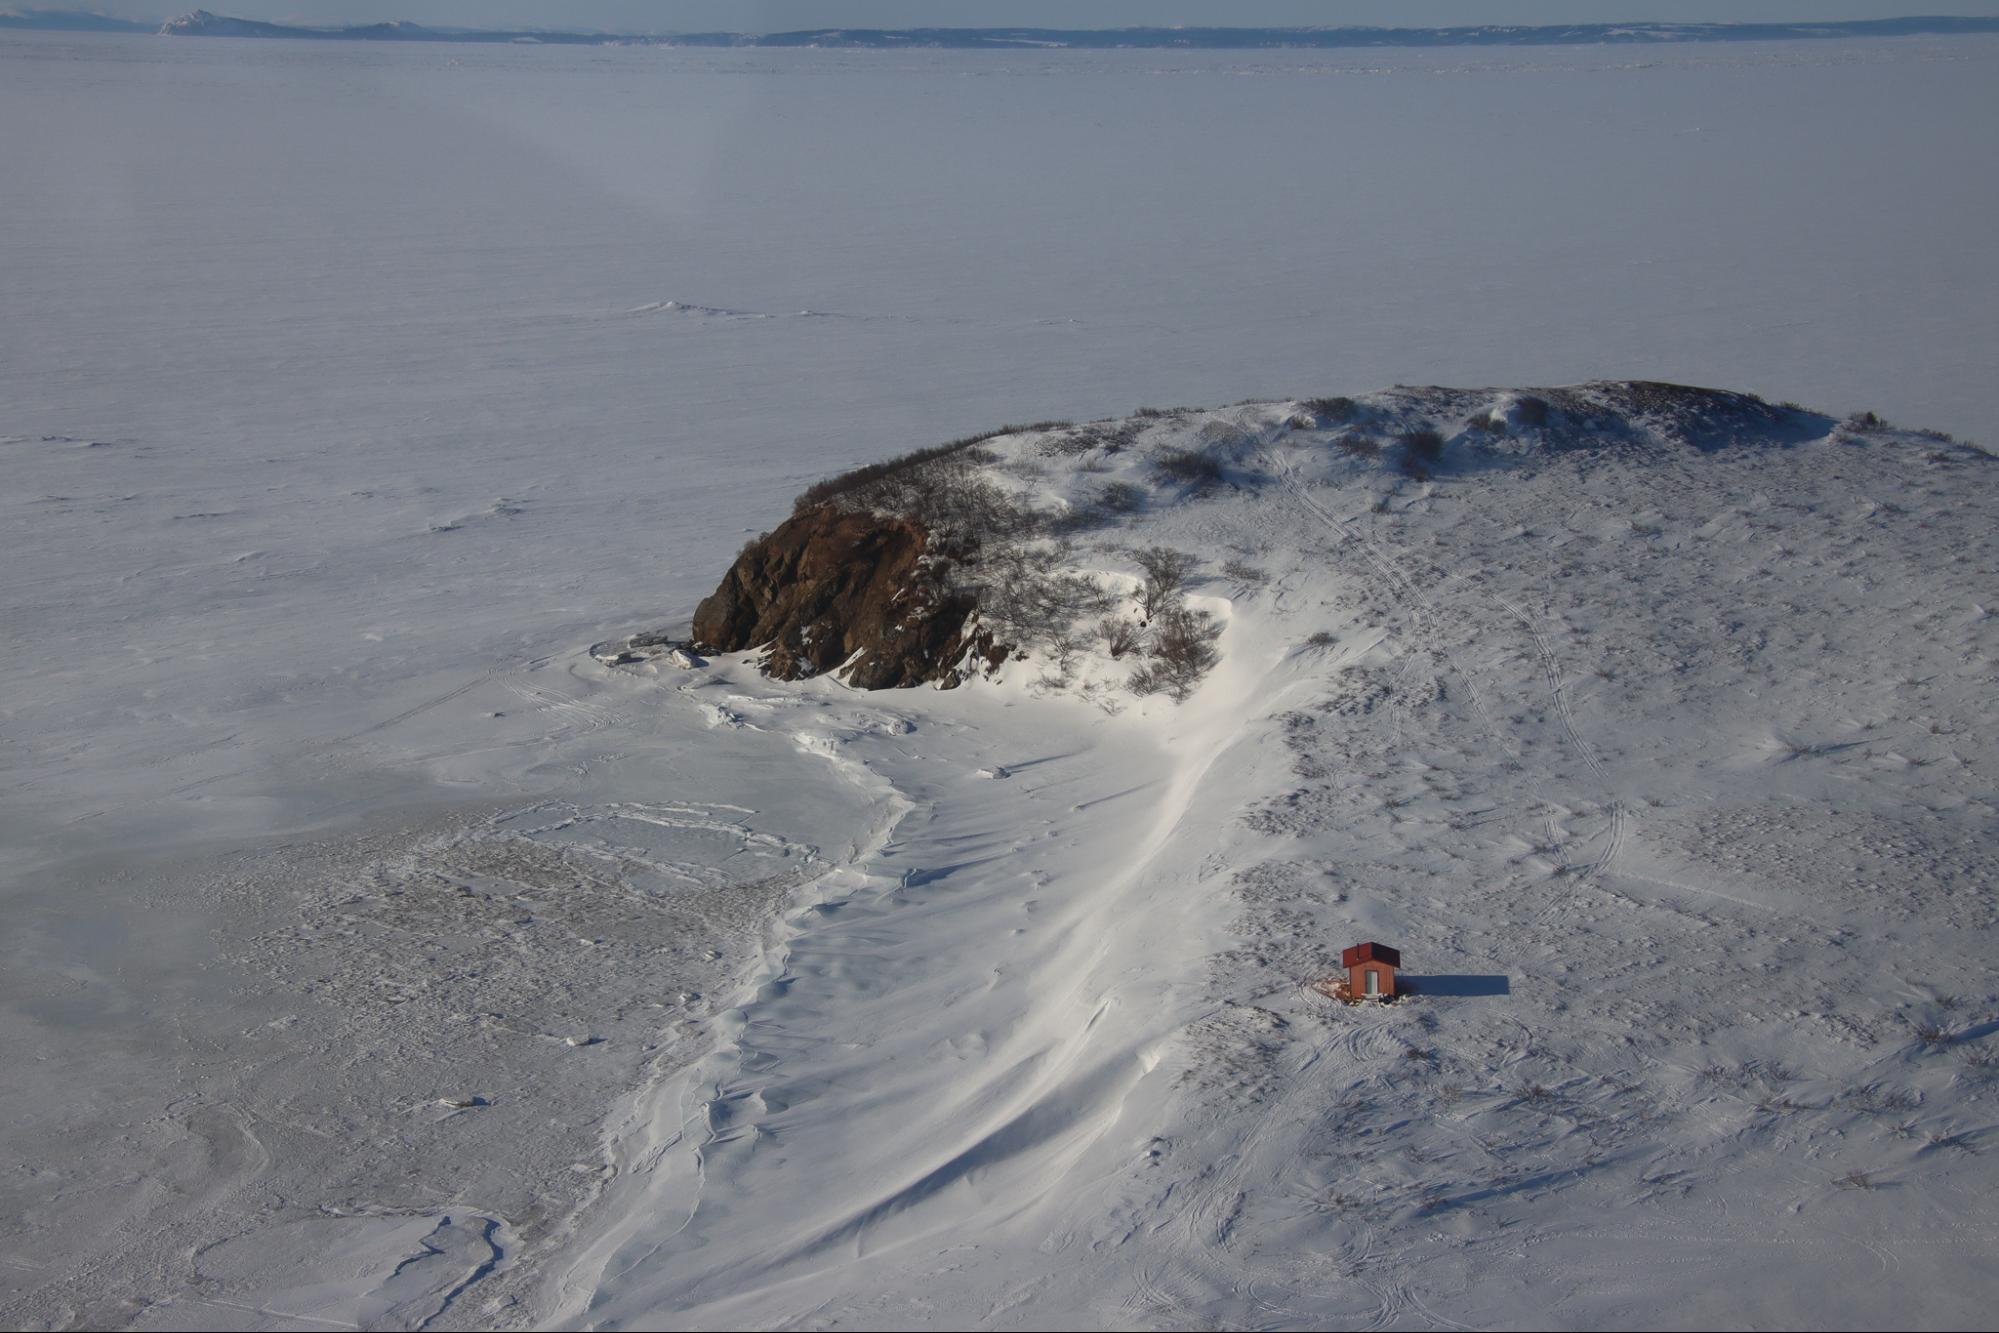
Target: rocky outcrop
[[850, 590]]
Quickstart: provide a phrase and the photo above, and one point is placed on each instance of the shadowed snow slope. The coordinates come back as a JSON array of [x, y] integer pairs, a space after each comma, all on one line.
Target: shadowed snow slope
[[1653, 726]]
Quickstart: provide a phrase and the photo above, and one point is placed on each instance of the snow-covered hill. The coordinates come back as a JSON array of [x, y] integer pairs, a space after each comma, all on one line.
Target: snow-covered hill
[[1653, 726]]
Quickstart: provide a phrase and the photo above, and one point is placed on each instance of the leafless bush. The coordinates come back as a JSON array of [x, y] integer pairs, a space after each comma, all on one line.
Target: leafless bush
[[1023, 591], [1166, 572], [1119, 497], [1330, 411], [1242, 572], [1855, 1180], [1360, 446], [1932, 1034], [940, 488], [963, 452], [1420, 449], [848, 482], [1109, 436], [1119, 635], [1877, 1100], [1189, 466], [1324, 638], [1183, 652]]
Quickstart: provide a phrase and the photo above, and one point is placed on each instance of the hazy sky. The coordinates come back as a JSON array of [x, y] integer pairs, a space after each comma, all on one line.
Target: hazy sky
[[775, 15]]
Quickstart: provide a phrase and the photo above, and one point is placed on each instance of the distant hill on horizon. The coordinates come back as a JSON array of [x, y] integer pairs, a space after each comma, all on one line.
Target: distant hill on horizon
[[202, 23]]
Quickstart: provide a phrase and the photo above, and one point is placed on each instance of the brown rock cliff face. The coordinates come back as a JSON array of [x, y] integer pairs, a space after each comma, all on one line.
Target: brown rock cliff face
[[827, 585]]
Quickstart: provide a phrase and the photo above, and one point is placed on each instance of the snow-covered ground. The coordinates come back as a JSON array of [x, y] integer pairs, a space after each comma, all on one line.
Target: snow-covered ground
[[374, 956], [1666, 770]]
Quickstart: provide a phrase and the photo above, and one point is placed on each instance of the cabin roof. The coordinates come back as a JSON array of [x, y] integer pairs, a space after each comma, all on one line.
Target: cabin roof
[[1371, 952]]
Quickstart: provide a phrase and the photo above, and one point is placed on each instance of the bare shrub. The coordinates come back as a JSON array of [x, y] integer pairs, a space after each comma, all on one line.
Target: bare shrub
[[1874, 1099], [1189, 466], [1420, 449], [1166, 572], [1119, 635], [963, 451], [847, 482], [1109, 436], [1324, 638], [1932, 1034], [1855, 1180], [1360, 446], [941, 489], [1026, 596], [1330, 411], [1183, 652], [1242, 572], [1119, 497]]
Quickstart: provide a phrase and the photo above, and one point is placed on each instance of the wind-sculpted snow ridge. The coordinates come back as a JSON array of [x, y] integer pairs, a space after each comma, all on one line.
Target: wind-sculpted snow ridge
[[1652, 725]]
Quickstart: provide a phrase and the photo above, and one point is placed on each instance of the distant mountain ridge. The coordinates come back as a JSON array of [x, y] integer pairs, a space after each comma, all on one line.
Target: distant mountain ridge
[[202, 23]]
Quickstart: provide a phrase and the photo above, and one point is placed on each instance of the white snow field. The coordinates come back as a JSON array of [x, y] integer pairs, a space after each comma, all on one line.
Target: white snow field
[[374, 956]]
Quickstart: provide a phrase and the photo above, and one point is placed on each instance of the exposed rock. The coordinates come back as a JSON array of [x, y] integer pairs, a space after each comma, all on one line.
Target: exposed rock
[[849, 590]]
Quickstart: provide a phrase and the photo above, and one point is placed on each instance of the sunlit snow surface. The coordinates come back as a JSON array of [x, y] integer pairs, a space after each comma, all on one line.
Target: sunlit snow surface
[[374, 956]]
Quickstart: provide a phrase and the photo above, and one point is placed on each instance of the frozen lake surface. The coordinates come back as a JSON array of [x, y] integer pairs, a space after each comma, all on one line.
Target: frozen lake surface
[[335, 372], [348, 392]]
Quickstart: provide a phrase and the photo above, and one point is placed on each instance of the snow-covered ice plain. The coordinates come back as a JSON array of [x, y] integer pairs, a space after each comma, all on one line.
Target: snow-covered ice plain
[[374, 956]]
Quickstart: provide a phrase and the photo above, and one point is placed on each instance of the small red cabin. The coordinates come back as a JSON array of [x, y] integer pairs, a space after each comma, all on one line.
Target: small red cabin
[[1371, 971]]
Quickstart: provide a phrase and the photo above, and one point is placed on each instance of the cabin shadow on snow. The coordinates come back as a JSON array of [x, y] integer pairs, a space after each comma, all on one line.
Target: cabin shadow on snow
[[1454, 984]]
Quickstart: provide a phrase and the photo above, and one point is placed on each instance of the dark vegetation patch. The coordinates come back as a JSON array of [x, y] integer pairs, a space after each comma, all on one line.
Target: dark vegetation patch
[[1183, 651], [861, 480], [1330, 411], [1419, 451], [1110, 437], [1119, 497], [1191, 467]]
